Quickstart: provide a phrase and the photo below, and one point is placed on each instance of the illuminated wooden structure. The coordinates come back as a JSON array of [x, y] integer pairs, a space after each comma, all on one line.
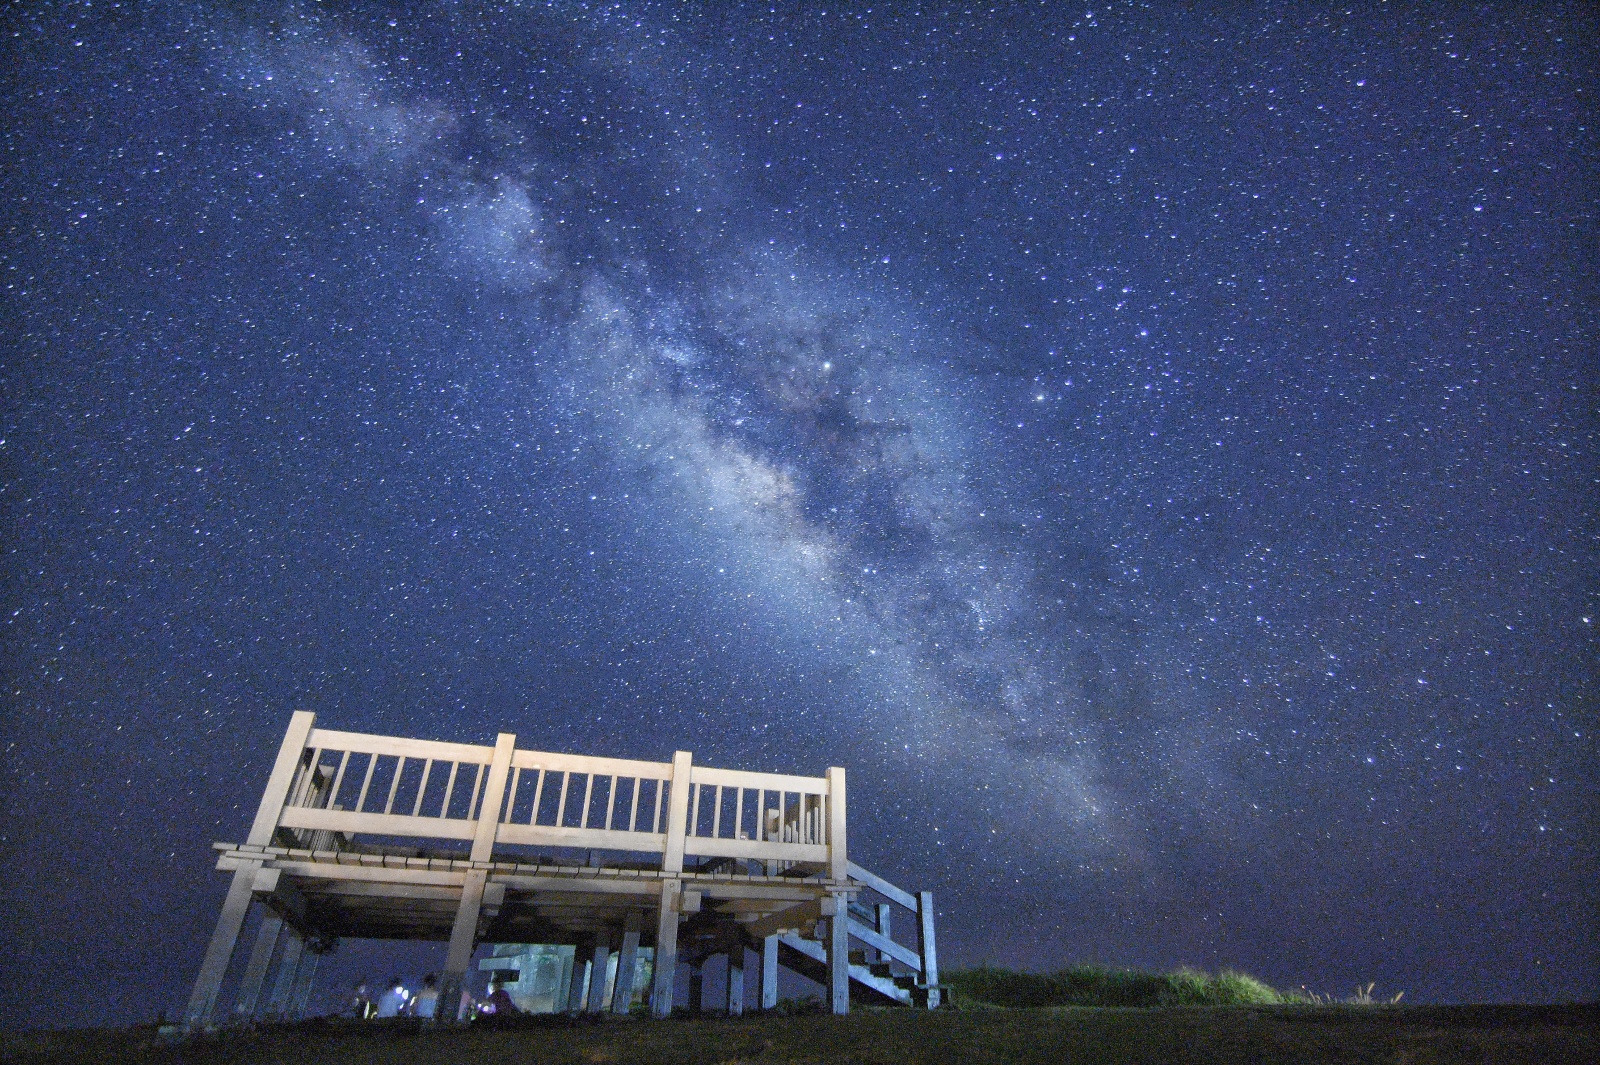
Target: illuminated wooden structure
[[517, 846]]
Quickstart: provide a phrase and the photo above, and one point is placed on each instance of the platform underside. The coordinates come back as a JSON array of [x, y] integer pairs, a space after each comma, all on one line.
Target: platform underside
[[400, 894]]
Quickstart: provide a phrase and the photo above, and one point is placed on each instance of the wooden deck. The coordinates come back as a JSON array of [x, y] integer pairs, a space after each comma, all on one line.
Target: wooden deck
[[384, 837]]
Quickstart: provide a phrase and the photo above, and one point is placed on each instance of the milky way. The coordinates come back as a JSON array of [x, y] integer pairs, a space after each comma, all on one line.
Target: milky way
[[1153, 453]]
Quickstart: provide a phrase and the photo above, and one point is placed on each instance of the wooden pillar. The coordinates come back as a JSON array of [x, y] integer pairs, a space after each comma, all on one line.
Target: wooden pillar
[[926, 947], [677, 813], [203, 999], [697, 987], [283, 984], [769, 972], [838, 856], [627, 962], [666, 970], [494, 798], [839, 955], [464, 932], [255, 973], [880, 924], [290, 754], [736, 982], [303, 980], [578, 986], [463, 938], [597, 979]]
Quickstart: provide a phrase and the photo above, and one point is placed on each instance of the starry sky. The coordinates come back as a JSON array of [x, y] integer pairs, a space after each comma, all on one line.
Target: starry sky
[[1151, 446]]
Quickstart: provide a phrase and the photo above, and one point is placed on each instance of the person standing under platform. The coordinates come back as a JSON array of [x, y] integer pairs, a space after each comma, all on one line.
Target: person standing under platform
[[393, 1002], [426, 1004]]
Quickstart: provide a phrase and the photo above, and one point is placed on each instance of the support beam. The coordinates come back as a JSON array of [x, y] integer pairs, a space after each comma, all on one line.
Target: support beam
[[597, 979], [255, 973], [283, 985], [463, 937], [839, 955], [666, 948], [769, 972], [736, 982], [926, 947], [796, 918], [627, 962], [220, 952]]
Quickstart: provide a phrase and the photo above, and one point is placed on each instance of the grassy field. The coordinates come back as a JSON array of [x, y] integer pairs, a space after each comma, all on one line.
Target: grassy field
[[1095, 985], [1172, 1035]]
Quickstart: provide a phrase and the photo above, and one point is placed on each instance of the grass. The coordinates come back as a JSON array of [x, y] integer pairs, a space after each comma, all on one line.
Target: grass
[[1090, 985], [1258, 1035]]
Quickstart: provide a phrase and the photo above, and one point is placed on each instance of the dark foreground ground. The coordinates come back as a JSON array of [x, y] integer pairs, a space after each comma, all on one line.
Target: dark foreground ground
[[1165, 1036]]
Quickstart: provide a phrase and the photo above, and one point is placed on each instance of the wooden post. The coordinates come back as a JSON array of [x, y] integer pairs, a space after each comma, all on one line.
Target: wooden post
[[838, 858], [276, 794], [220, 951], [880, 924], [597, 979], [463, 938], [926, 947], [697, 987], [769, 972], [494, 797], [303, 979], [627, 962], [677, 813], [464, 932], [283, 985], [578, 986], [666, 970], [255, 973], [839, 954], [736, 982]]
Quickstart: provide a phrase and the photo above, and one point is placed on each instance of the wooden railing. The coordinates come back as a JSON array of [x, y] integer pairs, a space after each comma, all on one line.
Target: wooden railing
[[329, 784], [734, 814]]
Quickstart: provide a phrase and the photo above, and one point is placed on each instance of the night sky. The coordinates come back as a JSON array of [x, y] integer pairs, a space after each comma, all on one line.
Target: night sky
[[1153, 449]]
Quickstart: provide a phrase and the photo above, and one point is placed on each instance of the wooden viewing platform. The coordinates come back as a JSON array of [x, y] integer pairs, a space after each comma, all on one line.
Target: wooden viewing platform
[[602, 854]]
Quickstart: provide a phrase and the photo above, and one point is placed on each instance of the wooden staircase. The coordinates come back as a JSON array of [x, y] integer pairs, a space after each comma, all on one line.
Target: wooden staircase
[[882, 970]]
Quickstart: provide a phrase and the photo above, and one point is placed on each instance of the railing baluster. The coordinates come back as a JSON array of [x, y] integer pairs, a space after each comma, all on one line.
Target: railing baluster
[[338, 779], [394, 785], [633, 811], [422, 788], [660, 797], [694, 809], [308, 773], [372, 764], [538, 793], [449, 789], [611, 801], [716, 815], [477, 791], [511, 804], [561, 807], [588, 793]]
